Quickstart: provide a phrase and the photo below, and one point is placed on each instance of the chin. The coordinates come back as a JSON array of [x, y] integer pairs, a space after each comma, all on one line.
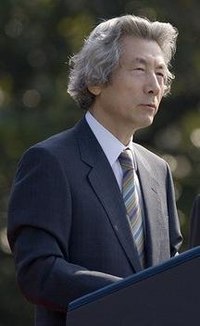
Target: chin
[[146, 123]]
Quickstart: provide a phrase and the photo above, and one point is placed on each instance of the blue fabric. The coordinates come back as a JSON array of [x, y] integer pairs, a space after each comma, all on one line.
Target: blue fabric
[[67, 223], [148, 273], [194, 229]]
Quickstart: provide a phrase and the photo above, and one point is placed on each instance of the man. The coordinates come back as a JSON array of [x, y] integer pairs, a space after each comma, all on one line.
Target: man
[[78, 219], [194, 230]]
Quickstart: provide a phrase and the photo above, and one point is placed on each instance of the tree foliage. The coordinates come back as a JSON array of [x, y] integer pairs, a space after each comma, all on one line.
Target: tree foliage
[[36, 39]]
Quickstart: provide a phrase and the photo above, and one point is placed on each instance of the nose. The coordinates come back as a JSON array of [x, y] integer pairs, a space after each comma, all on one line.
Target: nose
[[152, 85]]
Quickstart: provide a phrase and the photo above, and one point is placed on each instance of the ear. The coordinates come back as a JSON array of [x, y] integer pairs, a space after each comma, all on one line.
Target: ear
[[95, 90]]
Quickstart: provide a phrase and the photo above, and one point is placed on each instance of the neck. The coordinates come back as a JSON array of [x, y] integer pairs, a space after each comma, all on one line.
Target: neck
[[122, 133]]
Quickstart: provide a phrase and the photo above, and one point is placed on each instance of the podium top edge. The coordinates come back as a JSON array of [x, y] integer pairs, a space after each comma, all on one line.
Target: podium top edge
[[149, 272]]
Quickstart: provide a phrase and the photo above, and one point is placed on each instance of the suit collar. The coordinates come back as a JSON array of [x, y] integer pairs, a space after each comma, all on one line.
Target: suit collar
[[111, 146], [154, 224], [104, 184]]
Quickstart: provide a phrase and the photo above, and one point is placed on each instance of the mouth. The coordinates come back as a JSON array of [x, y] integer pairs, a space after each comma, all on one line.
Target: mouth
[[149, 105]]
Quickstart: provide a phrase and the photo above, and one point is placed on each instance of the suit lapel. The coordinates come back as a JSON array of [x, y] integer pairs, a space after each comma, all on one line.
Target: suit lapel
[[104, 184], [152, 207]]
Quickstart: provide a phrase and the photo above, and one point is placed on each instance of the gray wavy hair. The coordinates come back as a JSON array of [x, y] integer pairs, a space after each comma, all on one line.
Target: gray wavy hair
[[101, 52]]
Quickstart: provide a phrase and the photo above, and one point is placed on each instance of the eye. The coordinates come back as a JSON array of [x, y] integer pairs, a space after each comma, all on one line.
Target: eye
[[139, 69], [160, 74]]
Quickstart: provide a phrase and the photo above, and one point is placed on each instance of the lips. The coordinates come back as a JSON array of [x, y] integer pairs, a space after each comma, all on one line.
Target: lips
[[150, 105]]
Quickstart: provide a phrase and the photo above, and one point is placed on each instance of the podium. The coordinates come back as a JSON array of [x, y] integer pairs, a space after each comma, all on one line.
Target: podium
[[165, 295]]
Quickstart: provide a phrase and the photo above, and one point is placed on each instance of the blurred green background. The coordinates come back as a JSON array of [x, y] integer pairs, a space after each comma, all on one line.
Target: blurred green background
[[36, 39]]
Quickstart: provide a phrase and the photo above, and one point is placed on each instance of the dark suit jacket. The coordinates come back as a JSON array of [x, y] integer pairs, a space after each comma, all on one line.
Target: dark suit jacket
[[67, 223], [194, 229]]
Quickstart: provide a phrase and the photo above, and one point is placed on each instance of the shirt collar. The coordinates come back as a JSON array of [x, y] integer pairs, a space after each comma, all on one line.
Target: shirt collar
[[111, 146]]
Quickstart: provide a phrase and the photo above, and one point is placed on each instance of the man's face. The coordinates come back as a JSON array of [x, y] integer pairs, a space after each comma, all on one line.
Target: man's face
[[132, 97]]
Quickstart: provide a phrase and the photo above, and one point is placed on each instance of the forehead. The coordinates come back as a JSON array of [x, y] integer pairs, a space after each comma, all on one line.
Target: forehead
[[141, 50]]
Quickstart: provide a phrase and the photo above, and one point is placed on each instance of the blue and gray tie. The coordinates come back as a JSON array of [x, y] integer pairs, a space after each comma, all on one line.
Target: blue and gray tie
[[131, 202]]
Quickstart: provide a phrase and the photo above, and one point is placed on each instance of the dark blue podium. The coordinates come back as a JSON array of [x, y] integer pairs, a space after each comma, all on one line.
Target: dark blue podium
[[165, 295]]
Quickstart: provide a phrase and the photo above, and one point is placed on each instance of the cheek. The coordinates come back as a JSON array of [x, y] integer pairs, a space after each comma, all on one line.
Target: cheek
[[160, 98]]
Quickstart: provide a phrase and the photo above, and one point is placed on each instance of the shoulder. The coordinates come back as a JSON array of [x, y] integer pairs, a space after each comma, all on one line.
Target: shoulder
[[61, 150], [147, 155], [152, 164], [58, 144]]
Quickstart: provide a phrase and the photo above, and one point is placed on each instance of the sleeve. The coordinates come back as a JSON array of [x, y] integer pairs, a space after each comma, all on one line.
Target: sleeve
[[174, 223], [194, 223], [39, 222]]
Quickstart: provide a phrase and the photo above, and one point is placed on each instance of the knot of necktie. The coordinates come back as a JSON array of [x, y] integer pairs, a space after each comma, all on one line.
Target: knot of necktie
[[125, 159]]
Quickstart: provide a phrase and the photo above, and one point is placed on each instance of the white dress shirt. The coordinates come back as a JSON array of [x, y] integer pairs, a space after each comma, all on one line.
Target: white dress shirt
[[112, 148]]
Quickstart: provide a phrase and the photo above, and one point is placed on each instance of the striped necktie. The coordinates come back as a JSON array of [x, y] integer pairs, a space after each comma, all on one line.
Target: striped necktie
[[131, 202]]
